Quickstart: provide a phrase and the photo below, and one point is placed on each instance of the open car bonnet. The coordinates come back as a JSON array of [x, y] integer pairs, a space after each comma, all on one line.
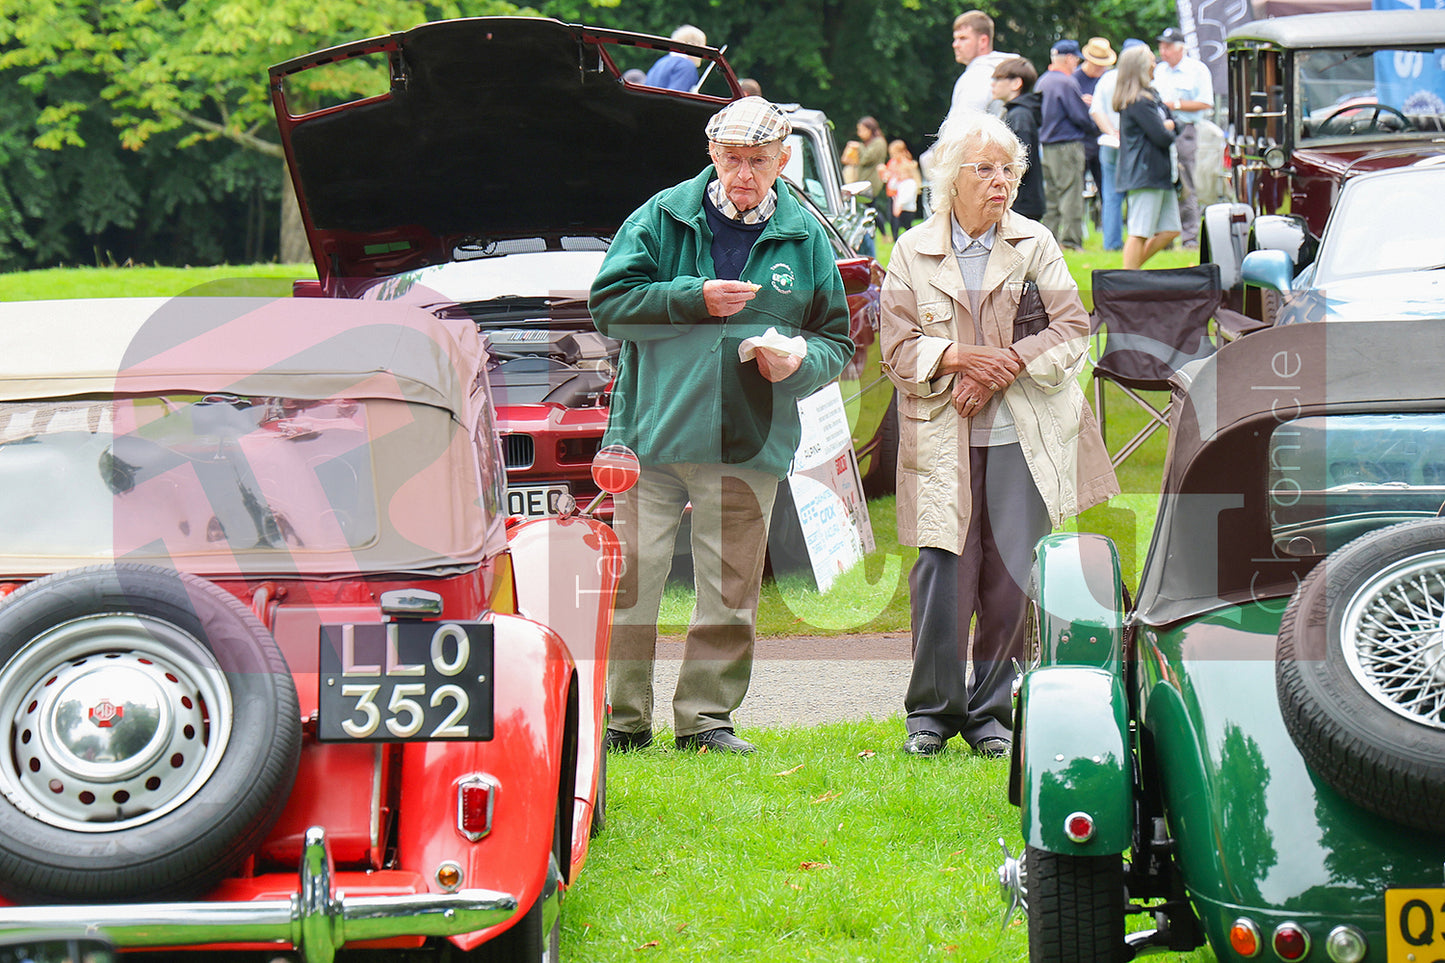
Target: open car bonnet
[[485, 130]]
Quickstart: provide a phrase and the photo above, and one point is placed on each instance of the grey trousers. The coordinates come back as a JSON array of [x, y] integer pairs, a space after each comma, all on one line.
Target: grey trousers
[[1064, 191], [731, 508], [1187, 144], [988, 581]]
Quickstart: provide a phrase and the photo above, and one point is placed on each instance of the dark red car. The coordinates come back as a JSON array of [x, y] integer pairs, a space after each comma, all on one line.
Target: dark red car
[[1314, 100], [486, 179]]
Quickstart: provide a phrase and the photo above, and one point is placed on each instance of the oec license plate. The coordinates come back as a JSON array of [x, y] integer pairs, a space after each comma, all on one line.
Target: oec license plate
[[1415, 925], [534, 501], [406, 682]]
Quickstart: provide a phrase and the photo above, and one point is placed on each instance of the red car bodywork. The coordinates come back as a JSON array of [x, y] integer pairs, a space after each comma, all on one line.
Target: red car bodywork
[[374, 843], [406, 196]]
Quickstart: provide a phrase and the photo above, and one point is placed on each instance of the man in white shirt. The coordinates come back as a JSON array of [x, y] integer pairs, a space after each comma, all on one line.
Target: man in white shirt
[[973, 47], [1187, 88]]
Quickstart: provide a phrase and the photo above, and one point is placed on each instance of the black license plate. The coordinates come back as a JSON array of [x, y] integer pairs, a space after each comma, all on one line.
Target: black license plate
[[406, 682]]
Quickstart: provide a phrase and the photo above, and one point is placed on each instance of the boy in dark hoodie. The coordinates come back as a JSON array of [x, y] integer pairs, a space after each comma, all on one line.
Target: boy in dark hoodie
[[1013, 83]]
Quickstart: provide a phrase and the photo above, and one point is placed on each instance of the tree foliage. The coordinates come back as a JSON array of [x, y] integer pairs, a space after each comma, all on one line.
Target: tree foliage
[[136, 115], [891, 59], [195, 64]]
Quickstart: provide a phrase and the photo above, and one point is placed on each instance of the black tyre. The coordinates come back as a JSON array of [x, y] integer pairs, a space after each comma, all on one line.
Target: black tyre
[[1361, 672], [530, 939], [151, 734], [1075, 907], [599, 807], [882, 476]]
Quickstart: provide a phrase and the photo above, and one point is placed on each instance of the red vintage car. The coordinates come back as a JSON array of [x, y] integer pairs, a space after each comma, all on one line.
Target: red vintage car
[[484, 178], [276, 670]]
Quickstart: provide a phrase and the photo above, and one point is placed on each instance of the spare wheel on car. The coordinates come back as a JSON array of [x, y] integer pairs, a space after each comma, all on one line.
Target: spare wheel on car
[[1361, 672], [152, 733]]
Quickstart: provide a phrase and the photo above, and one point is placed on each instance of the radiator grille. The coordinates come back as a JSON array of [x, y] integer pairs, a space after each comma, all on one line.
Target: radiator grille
[[518, 451]]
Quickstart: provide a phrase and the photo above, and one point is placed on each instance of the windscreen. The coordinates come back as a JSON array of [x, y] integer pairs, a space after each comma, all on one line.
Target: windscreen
[[1333, 478], [181, 475], [1368, 91]]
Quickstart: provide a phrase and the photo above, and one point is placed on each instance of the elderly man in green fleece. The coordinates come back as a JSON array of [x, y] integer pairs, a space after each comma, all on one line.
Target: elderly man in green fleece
[[694, 279]]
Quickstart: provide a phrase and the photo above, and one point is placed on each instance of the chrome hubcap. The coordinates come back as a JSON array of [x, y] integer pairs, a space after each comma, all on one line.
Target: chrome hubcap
[[113, 721], [1394, 638]]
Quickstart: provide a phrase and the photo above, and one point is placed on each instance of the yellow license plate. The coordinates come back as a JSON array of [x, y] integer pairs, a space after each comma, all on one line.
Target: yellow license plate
[[1415, 925]]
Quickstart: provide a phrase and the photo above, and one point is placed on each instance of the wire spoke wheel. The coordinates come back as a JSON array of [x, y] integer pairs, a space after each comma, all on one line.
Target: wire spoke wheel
[[1360, 672], [1395, 638]]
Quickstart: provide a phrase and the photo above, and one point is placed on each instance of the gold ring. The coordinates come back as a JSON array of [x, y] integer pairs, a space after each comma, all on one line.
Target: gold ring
[[991, 386]]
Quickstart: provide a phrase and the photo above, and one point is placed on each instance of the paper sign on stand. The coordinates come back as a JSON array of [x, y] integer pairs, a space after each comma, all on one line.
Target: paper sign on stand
[[826, 489]]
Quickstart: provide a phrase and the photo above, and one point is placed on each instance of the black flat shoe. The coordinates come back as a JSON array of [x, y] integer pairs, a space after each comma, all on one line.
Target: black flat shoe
[[715, 740], [923, 743], [994, 747], [619, 741]]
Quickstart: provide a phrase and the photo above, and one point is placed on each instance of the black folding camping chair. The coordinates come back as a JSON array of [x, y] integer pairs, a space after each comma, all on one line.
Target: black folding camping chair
[[1146, 326]]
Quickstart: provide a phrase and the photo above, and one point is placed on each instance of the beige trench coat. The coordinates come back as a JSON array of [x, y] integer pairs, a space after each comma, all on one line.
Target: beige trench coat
[[925, 308]]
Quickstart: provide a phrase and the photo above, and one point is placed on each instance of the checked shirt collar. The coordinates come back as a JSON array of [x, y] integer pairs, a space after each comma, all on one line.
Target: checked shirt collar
[[728, 209]]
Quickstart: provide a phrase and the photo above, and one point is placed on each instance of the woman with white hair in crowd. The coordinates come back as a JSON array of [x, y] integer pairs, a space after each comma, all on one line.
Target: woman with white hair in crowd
[[984, 334]]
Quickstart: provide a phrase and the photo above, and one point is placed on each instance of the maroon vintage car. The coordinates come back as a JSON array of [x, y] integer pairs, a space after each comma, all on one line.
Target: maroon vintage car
[[485, 178], [276, 670], [1316, 99]]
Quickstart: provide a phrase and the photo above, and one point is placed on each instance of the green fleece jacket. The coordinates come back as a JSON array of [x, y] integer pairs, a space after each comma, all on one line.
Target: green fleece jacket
[[681, 394]]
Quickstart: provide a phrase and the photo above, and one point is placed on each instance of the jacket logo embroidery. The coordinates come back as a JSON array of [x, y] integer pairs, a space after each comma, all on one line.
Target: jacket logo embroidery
[[783, 278]]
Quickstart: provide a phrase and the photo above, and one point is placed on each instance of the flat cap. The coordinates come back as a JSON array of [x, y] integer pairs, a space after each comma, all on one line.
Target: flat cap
[[748, 122], [1069, 47]]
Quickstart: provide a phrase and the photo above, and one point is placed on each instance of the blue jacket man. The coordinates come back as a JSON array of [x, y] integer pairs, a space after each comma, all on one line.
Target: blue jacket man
[[1066, 125], [677, 71]]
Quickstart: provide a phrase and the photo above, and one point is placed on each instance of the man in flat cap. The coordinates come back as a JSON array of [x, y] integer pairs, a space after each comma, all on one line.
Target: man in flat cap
[[691, 281]]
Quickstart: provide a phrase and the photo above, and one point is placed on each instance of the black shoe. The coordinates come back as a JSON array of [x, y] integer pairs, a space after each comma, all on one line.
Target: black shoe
[[715, 740], [994, 747], [923, 743], [619, 741]]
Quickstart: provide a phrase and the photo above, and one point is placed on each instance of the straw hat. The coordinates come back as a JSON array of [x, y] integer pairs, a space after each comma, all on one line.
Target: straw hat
[[1098, 52]]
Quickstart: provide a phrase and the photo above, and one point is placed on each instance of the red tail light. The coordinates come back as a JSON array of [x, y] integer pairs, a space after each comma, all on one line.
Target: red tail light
[[1291, 942], [476, 798], [1079, 827]]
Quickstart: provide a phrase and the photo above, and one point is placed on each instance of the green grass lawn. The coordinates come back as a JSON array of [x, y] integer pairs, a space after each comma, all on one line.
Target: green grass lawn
[[227, 280], [826, 845]]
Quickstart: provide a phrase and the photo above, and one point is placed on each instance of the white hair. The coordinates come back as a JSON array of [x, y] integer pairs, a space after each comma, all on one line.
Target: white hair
[[687, 33], [962, 133]]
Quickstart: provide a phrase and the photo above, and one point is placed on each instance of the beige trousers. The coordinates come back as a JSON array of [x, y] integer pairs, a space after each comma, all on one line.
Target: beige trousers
[[731, 508]]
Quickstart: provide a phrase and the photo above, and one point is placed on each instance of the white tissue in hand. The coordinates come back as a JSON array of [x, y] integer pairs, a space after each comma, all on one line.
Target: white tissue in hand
[[773, 342]]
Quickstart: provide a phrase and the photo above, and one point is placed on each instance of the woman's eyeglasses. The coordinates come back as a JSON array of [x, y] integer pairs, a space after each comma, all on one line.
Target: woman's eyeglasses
[[987, 172]]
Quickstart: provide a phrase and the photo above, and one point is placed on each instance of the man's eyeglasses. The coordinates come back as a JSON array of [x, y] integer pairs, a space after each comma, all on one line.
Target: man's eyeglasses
[[760, 163], [987, 172]]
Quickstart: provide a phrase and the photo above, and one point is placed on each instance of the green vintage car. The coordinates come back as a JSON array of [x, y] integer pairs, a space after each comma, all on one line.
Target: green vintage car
[[1251, 751]]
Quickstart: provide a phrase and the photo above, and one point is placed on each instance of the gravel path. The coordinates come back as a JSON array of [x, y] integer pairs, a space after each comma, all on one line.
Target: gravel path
[[806, 680]]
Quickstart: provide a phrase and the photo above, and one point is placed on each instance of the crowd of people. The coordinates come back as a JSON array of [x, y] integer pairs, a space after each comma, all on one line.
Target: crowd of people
[[1069, 119], [983, 335]]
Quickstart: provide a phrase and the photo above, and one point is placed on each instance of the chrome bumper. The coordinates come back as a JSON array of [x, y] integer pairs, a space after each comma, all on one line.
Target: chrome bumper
[[315, 921]]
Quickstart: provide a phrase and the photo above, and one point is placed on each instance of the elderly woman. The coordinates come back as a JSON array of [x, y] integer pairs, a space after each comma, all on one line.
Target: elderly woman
[[997, 443]]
